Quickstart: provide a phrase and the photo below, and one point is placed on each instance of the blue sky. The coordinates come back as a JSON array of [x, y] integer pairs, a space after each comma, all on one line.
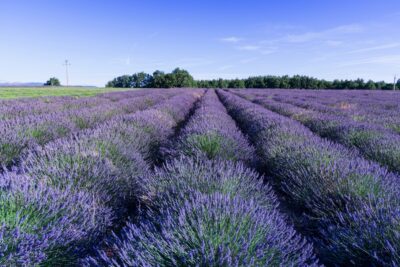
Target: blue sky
[[103, 39]]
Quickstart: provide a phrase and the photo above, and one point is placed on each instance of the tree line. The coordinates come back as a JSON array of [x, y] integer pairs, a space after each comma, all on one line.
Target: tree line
[[182, 78], [159, 79]]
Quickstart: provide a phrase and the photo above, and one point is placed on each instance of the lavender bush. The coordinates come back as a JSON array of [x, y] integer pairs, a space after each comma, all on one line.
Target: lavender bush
[[211, 133], [373, 141], [165, 178], [207, 213], [111, 160], [24, 133], [339, 192], [42, 225], [206, 217], [81, 188]]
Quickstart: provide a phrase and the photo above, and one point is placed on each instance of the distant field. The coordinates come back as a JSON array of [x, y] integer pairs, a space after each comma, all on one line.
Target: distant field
[[18, 92]]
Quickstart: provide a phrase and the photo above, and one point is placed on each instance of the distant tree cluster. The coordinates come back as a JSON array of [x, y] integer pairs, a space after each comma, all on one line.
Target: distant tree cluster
[[296, 81], [182, 78], [53, 82], [159, 79]]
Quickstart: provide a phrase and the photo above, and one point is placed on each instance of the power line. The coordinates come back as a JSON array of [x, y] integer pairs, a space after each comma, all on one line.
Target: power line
[[66, 64]]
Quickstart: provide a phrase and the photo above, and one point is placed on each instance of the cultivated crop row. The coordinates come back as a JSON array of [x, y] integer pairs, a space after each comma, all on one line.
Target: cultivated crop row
[[168, 178], [23, 133], [10, 109], [207, 208], [350, 206], [67, 195], [373, 141], [366, 106]]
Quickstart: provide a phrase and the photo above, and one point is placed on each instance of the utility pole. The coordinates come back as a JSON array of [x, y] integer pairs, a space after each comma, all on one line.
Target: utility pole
[[66, 64], [394, 82]]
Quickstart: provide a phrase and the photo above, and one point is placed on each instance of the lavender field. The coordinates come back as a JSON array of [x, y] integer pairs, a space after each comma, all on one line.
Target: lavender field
[[201, 177]]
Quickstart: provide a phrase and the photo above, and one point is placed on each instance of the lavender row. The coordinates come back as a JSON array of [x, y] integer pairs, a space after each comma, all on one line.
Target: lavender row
[[72, 107], [29, 111], [71, 192], [208, 210], [11, 109], [372, 112], [351, 206], [211, 134], [354, 105], [368, 107], [374, 142], [22, 134]]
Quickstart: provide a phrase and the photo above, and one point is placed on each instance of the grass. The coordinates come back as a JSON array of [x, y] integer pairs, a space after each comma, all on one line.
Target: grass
[[19, 92]]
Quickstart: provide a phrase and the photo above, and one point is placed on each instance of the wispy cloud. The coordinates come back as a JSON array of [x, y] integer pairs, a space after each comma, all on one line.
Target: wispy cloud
[[301, 38], [386, 60], [343, 47], [257, 48], [333, 43], [248, 60], [332, 37], [346, 29], [231, 39], [281, 27], [249, 47], [267, 51], [324, 34], [375, 48], [371, 55], [225, 67]]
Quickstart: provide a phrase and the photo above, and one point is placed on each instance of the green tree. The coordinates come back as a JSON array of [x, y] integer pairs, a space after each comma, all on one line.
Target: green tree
[[284, 82], [221, 83], [169, 81], [124, 81], [360, 84], [203, 84], [182, 78], [158, 79], [380, 85], [295, 81], [336, 84], [141, 80], [370, 85], [272, 81], [53, 82], [236, 83]]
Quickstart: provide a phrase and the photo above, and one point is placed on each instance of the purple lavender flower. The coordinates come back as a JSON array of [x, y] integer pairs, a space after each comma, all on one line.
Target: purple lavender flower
[[207, 212], [25, 132], [213, 230], [211, 133], [339, 192], [44, 225]]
